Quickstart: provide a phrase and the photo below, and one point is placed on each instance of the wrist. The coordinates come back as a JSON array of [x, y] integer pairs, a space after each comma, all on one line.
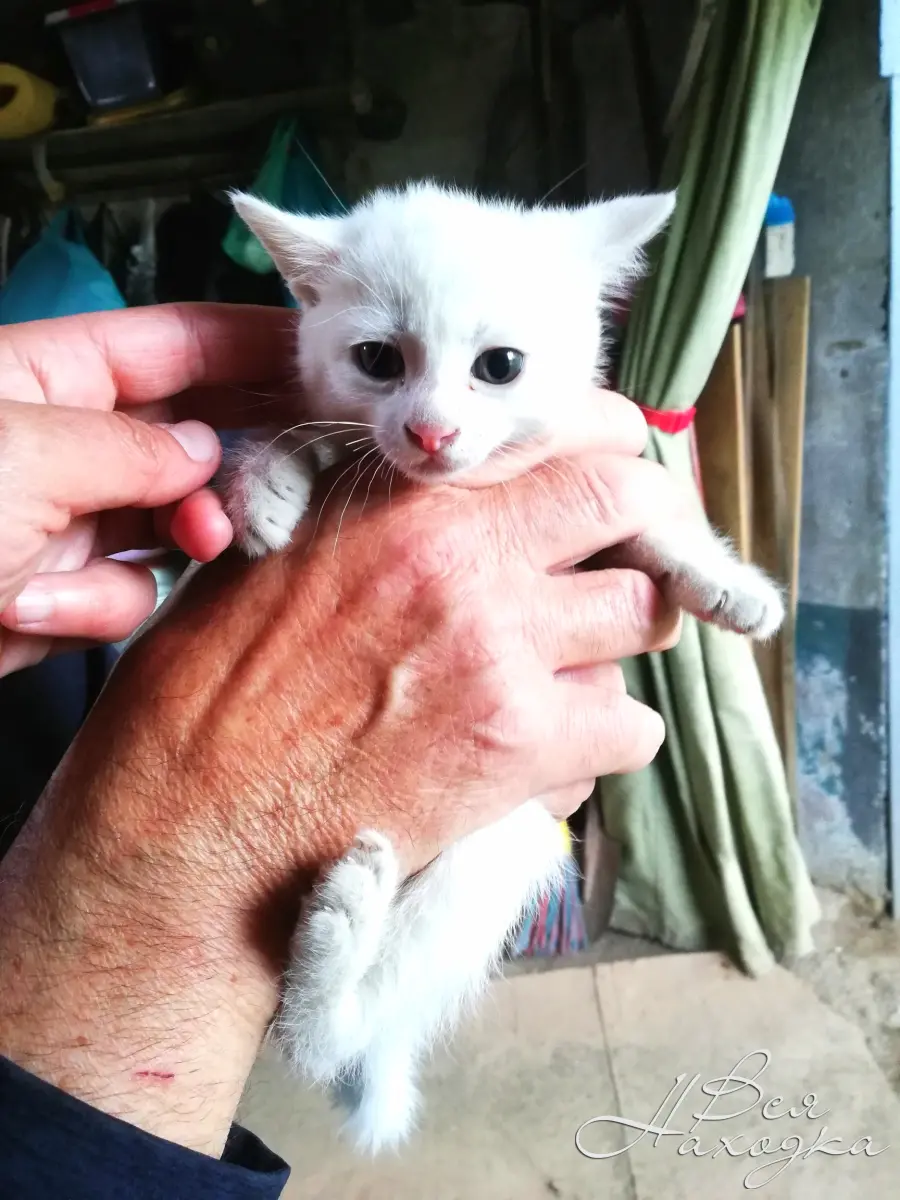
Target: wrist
[[144, 1009], [143, 934]]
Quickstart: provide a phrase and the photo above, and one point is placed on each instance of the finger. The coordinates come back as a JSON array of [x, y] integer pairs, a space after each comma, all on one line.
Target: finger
[[567, 513], [600, 617], [78, 461], [199, 526], [563, 803], [104, 602], [607, 675], [134, 356], [20, 650], [607, 423], [598, 732]]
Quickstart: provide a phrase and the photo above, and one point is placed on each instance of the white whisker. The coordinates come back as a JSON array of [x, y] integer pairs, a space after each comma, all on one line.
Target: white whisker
[[318, 170], [305, 425], [368, 454]]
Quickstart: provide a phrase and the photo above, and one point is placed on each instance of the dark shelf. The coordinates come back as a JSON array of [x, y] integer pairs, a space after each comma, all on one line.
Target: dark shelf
[[215, 143], [189, 124]]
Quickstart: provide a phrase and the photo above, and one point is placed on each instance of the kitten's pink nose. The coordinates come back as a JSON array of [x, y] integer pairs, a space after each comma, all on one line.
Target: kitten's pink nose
[[431, 438]]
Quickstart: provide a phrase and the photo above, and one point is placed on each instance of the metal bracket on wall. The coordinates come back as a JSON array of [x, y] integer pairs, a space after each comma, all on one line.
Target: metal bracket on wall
[[52, 188]]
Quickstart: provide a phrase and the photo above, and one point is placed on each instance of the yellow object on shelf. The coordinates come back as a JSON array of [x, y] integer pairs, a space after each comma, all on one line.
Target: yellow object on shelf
[[152, 108], [27, 103]]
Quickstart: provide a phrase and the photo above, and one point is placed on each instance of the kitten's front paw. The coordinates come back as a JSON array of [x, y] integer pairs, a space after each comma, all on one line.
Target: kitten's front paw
[[744, 601], [267, 494]]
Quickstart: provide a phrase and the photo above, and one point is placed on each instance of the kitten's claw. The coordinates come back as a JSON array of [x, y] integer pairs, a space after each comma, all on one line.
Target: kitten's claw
[[266, 496], [750, 603], [700, 573]]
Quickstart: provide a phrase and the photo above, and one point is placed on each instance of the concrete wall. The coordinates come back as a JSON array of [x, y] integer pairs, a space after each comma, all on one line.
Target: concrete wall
[[835, 170]]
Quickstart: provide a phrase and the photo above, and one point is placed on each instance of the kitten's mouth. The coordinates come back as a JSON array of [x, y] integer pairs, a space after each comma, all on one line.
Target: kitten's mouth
[[427, 469], [432, 467]]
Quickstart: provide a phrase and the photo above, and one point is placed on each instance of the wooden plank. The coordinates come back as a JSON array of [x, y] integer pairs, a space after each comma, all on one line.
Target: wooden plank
[[763, 435], [788, 302], [721, 444], [776, 398], [599, 858]]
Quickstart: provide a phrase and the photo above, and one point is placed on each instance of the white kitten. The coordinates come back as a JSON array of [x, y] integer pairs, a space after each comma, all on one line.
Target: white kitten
[[442, 328]]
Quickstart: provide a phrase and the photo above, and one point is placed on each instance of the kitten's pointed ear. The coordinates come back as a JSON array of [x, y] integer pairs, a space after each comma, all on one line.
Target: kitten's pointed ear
[[622, 227], [302, 247]]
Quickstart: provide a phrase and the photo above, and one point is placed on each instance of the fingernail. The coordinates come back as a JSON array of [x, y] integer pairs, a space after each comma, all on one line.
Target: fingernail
[[196, 439], [33, 606]]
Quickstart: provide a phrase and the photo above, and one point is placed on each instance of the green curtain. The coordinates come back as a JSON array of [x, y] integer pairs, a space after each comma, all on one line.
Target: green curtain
[[710, 854]]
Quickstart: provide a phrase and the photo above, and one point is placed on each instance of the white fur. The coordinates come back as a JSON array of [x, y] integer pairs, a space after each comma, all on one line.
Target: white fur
[[381, 967]]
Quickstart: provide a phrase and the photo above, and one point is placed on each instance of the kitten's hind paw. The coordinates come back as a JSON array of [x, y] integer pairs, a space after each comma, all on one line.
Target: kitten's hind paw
[[348, 914], [328, 1015]]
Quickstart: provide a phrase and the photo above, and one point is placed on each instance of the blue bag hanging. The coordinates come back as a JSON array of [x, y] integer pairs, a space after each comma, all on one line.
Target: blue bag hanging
[[58, 276]]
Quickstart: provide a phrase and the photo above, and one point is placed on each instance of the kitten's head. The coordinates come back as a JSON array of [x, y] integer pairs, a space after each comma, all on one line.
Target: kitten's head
[[453, 327]]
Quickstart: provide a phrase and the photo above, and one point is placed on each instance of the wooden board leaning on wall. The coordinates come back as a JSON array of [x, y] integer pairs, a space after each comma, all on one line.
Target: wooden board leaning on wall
[[749, 430]]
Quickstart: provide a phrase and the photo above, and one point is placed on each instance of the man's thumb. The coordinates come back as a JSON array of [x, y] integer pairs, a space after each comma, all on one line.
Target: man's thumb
[[86, 461]]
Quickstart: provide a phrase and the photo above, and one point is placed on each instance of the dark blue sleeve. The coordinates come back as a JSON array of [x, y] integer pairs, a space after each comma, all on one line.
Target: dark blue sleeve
[[54, 1146]]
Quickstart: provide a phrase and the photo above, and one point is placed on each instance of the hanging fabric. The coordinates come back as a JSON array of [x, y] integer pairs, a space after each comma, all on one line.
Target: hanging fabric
[[710, 855]]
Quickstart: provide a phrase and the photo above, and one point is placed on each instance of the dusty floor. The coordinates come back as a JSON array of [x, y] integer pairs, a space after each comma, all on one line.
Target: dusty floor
[[609, 1034], [856, 971]]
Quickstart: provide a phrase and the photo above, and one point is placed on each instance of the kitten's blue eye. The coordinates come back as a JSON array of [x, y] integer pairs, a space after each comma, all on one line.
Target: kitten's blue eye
[[379, 360], [498, 366]]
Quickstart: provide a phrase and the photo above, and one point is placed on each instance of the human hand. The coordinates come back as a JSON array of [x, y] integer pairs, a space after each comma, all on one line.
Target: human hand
[[103, 452], [420, 665]]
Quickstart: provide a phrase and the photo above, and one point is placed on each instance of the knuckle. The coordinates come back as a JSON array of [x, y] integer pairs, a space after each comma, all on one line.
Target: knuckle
[[140, 441], [24, 453], [627, 494], [603, 498], [511, 721]]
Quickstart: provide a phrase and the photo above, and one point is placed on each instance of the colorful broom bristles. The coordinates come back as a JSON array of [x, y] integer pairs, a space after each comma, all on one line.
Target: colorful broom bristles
[[556, 925]]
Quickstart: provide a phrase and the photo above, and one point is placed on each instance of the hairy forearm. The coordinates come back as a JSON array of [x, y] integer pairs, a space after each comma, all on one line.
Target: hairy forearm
[[147, 908], [136, 1000], [140, 948]]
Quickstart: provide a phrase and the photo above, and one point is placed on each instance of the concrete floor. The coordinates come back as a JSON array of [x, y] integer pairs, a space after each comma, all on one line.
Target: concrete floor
[[552, 1050]]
